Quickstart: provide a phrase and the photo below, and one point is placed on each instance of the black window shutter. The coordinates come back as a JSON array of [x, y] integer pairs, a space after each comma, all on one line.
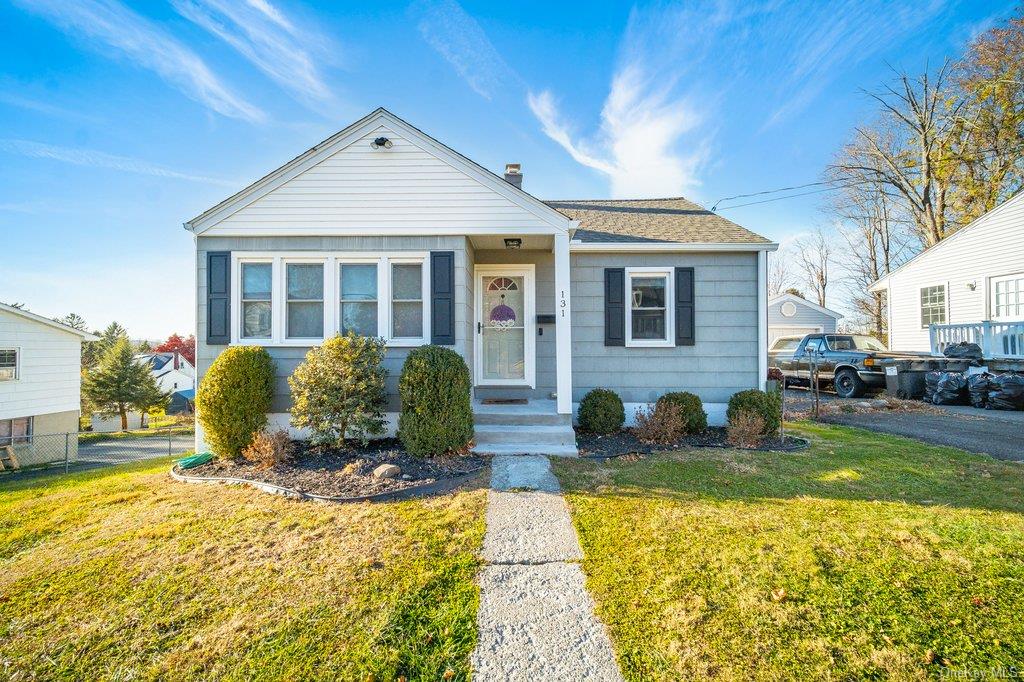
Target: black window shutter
[[615, 306], [218, 298], [685, 335], [442, 298]]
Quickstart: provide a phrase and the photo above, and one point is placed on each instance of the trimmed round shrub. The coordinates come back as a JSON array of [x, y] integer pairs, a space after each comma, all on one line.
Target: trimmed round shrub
[[234, 398], [768, 406], [601, 411], [691, 410], [436, 415]]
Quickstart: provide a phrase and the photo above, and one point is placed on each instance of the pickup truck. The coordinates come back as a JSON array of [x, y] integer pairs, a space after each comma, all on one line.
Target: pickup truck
[[850, 362]]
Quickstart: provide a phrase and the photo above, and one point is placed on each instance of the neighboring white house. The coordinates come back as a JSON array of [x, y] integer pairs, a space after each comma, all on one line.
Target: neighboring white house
[[791, 315], [172, 371], [384, 231], [40, 384], [968, 287]]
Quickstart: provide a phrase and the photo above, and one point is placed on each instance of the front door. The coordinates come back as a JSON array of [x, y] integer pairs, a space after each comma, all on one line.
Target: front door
[[505, 326]]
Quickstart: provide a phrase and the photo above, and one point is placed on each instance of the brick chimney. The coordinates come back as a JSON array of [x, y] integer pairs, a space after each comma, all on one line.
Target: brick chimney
[[514, 175]]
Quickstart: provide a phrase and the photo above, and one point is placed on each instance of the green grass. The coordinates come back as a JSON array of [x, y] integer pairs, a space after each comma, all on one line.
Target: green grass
[[866, 556], [123, 574]]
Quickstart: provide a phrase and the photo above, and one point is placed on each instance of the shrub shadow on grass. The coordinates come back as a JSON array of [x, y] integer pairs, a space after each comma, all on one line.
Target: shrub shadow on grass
[[843, 463]]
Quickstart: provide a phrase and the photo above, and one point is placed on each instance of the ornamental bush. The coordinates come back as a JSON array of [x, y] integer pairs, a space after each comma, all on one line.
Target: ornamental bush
[[660, 424], [338, 390], [601, 411], [234, 398], [437, 415], [766, 405], [691, 410]]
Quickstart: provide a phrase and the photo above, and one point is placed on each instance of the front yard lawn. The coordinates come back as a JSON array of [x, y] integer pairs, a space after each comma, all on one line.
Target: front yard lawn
[[865, 556], [124, 574]]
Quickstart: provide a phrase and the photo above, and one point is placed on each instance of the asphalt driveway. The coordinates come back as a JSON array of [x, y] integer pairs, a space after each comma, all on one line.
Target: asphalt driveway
[[122, 450], [991, 432]]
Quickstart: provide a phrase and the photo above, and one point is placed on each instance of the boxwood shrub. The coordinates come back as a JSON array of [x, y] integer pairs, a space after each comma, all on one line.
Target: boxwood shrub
[[601, 411], [436, 415], [234, 398], [691, 410], [767, 405]]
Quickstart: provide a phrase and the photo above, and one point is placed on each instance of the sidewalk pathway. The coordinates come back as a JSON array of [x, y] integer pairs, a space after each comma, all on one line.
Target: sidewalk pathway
[[536, 620]]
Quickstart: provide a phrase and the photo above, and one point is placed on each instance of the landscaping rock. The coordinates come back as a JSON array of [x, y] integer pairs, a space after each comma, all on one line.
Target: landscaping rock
[[406, 477], [879, 403], [387, 471], [864, 405]]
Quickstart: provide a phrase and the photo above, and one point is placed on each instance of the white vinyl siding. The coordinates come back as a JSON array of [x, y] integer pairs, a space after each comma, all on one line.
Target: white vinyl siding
[[405, 187], [49, 368], [967, 262]]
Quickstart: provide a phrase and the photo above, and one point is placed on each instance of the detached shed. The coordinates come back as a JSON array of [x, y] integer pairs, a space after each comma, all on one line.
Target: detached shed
[[790, 315]]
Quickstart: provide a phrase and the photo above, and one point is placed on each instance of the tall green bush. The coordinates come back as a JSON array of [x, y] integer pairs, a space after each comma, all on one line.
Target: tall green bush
[[436, 414], [234, 398], [691, 410], [767, 405], [338, 390], [601, 411]]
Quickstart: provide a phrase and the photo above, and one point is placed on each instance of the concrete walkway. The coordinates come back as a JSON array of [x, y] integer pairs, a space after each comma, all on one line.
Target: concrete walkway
[[536, 620]]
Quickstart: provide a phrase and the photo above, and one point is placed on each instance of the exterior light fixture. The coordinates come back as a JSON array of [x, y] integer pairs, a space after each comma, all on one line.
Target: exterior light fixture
[[381, 142], [513, 243]]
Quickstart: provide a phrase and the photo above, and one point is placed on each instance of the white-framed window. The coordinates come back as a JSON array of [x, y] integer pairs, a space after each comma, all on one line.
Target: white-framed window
[[14, 431], [649, 307], [933, 305], [1008, 297], [298, 299], [9, 366]]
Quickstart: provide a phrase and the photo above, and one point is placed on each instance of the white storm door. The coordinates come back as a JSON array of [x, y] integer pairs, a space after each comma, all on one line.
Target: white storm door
[[505, 326]]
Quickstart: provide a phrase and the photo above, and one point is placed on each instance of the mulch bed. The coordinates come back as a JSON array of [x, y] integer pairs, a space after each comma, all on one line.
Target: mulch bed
[[624, 442], [319, 470]]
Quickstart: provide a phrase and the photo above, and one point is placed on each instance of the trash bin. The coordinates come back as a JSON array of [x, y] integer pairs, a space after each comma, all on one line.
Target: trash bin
[[902, 381]]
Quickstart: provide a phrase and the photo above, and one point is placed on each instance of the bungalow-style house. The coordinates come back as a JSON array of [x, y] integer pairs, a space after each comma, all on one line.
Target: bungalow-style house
[[792, 315], [40, 386], [968, 287], [382, 230]]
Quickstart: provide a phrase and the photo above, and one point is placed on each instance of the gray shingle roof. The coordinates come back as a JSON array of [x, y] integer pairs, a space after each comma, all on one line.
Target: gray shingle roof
[[652, 221]]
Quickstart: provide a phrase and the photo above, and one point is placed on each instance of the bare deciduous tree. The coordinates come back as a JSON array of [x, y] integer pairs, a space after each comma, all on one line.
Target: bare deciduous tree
[[814, 256], [780, 273]]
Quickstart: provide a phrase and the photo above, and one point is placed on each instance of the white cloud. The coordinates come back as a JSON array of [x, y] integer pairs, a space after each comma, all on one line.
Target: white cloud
[[262, 34], [96, 159], [114, 25], [460, 39]]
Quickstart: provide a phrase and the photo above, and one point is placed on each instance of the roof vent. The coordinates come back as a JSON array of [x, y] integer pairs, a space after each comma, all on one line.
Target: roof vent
[[514, 175]]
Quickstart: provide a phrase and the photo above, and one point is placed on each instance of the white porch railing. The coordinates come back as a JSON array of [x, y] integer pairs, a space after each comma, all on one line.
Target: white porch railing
[[997, 339]]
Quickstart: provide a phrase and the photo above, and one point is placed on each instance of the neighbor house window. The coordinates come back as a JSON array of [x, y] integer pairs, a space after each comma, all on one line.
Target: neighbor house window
[[1008, 298], [13, 431], [8, 364], [407, 300], [305, 305], [257, 288], [358, 293], [933, 305], [649, 311]]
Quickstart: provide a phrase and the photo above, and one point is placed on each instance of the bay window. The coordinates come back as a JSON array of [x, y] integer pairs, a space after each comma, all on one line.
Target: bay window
[[299, 298], [649, 307]]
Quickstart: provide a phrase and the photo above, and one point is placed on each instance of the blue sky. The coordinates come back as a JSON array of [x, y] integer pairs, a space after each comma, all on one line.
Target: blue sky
[[120, 121]]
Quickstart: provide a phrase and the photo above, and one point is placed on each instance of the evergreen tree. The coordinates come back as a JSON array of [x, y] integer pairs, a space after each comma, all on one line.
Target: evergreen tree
[[118, 384]]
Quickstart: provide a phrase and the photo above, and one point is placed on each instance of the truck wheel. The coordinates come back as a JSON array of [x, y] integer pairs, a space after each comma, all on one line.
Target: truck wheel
[[848, 384]]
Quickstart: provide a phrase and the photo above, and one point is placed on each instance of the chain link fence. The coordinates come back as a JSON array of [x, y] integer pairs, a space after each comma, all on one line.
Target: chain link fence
[[81, 450]]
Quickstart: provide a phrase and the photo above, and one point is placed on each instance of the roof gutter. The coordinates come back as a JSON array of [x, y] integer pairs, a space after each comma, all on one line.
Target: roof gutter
[[663, 247]]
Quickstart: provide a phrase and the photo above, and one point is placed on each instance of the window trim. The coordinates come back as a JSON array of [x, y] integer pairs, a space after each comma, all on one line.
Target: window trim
[[992, 281], [29, 432], [332, 261], [920, 307], [669, 274], [17, 364]]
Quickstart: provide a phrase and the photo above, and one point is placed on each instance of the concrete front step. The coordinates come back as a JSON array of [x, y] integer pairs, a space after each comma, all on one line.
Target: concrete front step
[[521, 418], [492, 434], [527, 449]]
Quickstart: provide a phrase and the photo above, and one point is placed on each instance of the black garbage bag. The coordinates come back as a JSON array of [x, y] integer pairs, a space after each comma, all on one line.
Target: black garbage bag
[[931, 384], [1006, 392], [977, 388], [964, 350], [952, 389]]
